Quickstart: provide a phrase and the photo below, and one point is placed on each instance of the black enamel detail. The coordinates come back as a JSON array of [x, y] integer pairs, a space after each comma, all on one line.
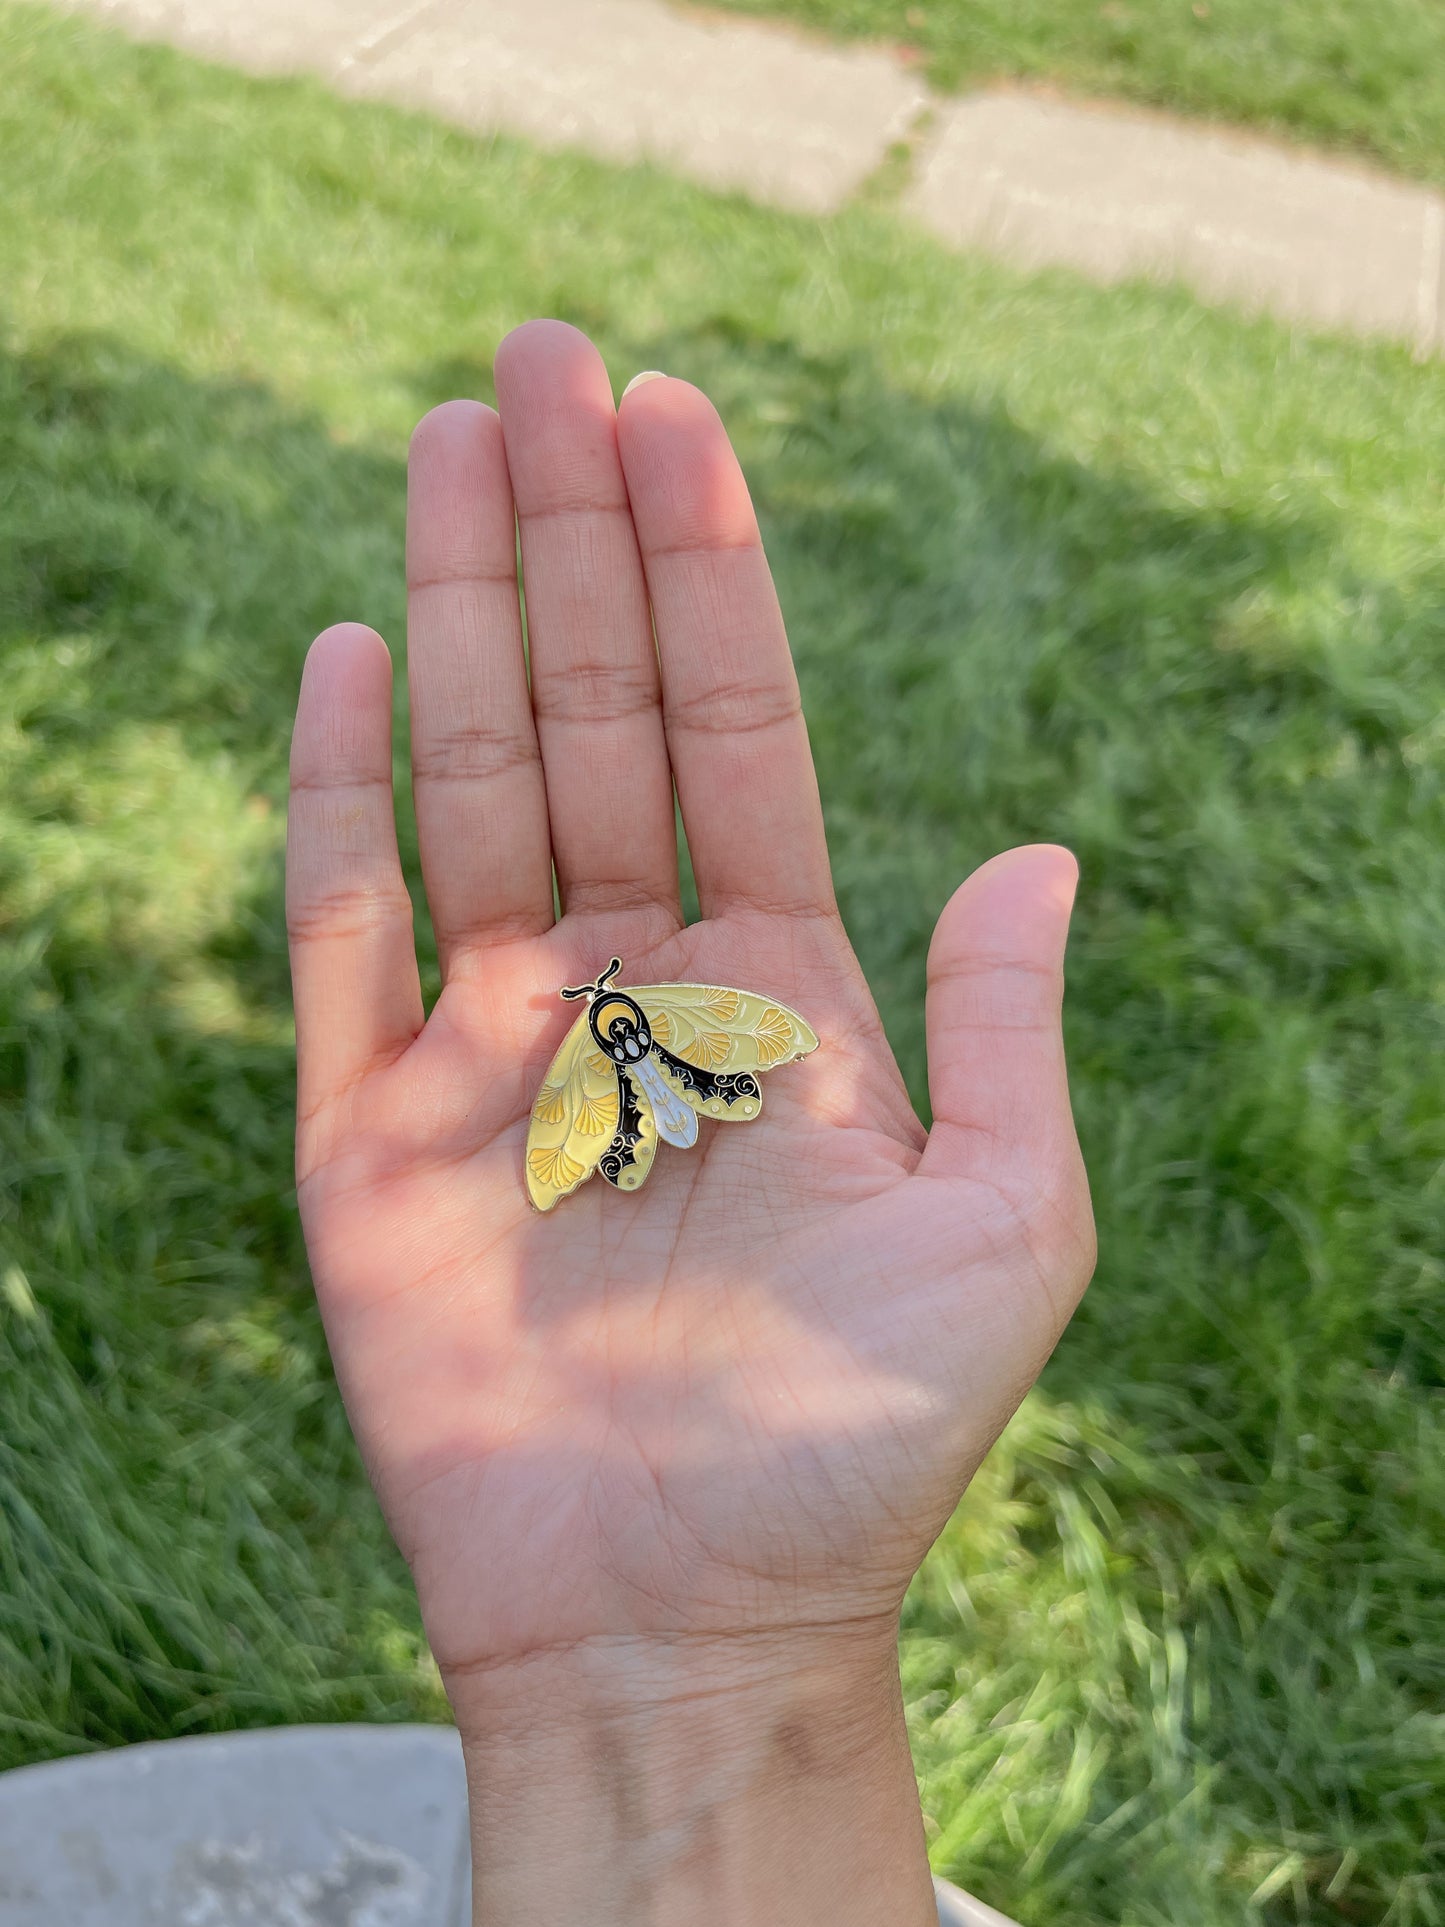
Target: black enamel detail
[[708, 1086], [622, 1151], [573, 991], [619, 1025]]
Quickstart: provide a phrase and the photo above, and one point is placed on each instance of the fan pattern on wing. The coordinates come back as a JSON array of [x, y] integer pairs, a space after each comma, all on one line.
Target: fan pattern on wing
[[573, 1119], [724, 1030]]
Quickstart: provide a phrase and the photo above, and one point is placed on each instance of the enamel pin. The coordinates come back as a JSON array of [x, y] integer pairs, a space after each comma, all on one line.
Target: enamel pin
[[639, 1065]]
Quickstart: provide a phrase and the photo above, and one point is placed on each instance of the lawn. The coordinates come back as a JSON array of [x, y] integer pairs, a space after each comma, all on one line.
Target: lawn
[[1367, 75], [1102, 566]]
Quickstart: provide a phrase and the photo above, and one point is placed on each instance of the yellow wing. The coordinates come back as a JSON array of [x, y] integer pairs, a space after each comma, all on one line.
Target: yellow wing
[[723, 1031], [573, 1120]]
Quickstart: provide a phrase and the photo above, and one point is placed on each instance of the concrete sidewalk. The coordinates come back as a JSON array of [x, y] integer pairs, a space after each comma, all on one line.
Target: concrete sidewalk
[[799, 124], [293, 1826]]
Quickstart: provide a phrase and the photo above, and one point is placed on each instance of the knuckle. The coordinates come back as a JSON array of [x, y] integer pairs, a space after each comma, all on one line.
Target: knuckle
[[620, 896], [344, 911], [330, 780], [736, 708], [476, 754], [1000, 993], [595, 689]]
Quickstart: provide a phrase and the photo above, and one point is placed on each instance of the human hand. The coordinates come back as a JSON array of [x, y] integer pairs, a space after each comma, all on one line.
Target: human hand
[[662, 1463]]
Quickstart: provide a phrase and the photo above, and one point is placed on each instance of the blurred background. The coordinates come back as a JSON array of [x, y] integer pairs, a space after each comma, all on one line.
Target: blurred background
[[1096, 563]]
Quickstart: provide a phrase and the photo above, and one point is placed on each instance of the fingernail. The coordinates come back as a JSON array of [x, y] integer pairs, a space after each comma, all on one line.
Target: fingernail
[[648, 374]]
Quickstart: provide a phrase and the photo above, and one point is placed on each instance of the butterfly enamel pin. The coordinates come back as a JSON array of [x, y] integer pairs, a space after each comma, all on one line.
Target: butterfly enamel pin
[[644, 1064]]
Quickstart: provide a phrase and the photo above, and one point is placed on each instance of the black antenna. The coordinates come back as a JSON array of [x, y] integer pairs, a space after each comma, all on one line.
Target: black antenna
[[591, 990]]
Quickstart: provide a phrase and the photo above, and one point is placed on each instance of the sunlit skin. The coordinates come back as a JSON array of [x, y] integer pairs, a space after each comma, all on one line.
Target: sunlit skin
[[692, 1441]]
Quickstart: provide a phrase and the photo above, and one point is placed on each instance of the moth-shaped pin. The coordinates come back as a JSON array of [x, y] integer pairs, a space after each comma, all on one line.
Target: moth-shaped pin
[[644, 1064]]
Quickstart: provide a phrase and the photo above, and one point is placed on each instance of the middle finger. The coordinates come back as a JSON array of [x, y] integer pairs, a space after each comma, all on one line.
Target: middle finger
[[595, 688]]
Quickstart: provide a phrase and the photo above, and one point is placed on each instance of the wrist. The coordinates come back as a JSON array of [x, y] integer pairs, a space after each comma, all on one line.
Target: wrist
[[701, 1782]]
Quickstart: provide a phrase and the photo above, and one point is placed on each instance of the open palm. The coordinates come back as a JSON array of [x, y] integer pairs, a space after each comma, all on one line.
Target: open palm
[[745, 1397]]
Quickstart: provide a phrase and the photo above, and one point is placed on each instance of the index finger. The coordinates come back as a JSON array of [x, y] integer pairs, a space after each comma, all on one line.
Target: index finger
[[735, 730], [348, 914]]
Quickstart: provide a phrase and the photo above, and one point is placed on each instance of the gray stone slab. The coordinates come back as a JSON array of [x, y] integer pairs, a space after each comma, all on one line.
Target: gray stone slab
[[302, 1826], [728, 102], [307, 1826], [738, 104], [1116, 194], [323, 37], [958, 1909], [734, 104]]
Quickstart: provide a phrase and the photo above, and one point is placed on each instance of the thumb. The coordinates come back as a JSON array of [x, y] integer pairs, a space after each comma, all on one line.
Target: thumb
[[996, 1072]]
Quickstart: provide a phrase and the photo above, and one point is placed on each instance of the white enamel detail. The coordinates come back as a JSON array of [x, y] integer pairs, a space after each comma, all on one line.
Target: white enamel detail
[[676, 1121]]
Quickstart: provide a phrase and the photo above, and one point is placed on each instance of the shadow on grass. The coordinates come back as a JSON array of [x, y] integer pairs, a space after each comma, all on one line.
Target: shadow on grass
[[995, 644]]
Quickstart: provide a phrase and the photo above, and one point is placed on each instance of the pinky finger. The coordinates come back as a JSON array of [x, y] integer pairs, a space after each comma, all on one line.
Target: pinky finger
[[348, 915]]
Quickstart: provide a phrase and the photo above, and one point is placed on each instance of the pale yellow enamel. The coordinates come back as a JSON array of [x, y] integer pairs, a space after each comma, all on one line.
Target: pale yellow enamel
[[720, 1029], [573, 1119], [576, 1111]]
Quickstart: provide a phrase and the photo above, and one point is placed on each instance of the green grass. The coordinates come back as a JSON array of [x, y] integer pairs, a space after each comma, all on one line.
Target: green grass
[[1362, 74], [1060, 562]]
